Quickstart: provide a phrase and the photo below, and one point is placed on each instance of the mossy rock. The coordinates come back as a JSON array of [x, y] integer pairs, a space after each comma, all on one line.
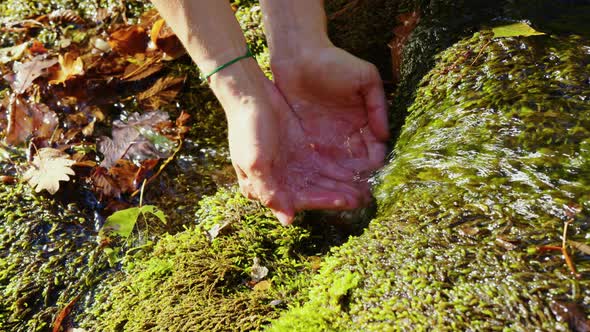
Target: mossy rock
[[204, 279], [492, 162]]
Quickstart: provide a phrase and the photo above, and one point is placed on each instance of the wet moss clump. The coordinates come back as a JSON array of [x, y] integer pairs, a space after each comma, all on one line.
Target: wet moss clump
[[492, 162], [48, 258], [202, 279]]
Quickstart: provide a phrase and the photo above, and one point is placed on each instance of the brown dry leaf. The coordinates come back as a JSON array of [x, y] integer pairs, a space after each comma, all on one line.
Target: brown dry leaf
[[164, 91], [104, 184], [37, 48], [12, 53], [129, 40], [406, 23], [65, 16], [165, 39], [135, 72], [70, 66], [25, 73], [136, 139], [123, 173], [49, 167], [26, 120]]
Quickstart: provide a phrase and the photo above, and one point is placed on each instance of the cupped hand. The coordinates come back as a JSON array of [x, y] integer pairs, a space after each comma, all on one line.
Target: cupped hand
[[340, 107], [310, 144]]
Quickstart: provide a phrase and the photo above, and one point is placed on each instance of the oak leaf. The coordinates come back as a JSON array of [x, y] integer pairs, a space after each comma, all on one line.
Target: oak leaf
[[49, 167]]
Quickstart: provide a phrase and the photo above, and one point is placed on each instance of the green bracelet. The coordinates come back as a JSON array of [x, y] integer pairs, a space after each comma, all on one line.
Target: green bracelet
[[245, 56]]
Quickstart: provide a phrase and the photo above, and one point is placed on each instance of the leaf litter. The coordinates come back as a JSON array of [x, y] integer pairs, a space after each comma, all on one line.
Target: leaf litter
[[60, 99]]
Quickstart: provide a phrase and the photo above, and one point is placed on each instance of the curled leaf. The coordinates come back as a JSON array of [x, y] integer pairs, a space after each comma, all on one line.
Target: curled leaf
[[49, 167], [70, 66], [162, 92], [136, 139], [129, 40], [257, 271]]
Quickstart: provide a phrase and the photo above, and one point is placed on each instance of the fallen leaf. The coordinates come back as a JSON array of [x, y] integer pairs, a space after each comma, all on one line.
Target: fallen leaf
[[165, 40], [519, 29], [164, 91], [262, 286], [37, 48], [57, 324], [136, 139], [406, 23], [28, 119], [135, 72], [12, 53], [124, 173], [257, 271], [104, 184], [25, 73], [216, 229], [571, 313], [65, 16], [129, 40], [49, 167], [122, 222], [70, 66]]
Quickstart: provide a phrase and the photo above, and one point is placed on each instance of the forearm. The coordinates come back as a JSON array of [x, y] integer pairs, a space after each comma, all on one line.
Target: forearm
[[294, 26], [212, 36]]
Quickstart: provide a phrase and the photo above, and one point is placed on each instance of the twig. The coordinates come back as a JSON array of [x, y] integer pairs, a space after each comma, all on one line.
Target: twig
[[63, 314], [566, 255]]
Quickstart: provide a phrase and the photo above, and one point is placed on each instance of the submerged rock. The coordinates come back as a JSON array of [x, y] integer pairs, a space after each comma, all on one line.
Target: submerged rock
[[492, 163]]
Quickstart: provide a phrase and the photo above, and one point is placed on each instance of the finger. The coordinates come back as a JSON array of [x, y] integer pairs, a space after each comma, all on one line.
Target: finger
[[245, 186], [281, 207], [334, 171], [246, 189], [375, 103], [272, 196], [375, 149], [353, 196], [320, 200], [285, 214]]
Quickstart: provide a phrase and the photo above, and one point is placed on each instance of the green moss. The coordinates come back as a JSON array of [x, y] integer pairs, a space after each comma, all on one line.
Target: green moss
[[47, 259], [189, 282], [491, 163]]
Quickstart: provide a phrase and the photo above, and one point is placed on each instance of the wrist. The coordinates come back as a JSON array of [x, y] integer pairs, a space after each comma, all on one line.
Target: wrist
[[292, 27], [238, 85], [298, 42]]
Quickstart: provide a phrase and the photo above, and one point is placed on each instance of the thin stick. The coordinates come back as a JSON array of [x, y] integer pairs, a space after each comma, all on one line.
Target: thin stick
[[566, 255]]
